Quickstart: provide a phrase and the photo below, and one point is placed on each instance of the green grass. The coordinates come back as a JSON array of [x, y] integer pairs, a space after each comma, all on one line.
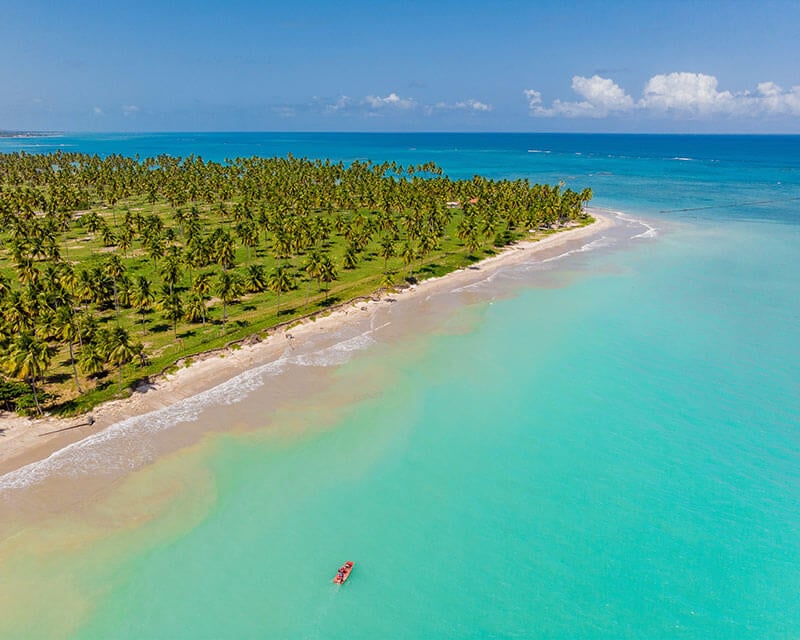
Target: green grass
[[252, 314]]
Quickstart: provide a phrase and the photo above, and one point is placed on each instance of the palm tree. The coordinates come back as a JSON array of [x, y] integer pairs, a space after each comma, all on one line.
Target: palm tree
[[313, 268], [387, 249], [409, 254], [202, 289], [387, 282], [171, 270], [279, 281], [255, 279], [585, 196], [248, 235], [196, 308], [91, 359], [118, 348], [350, 259], [67, 330], [225, 251], [114, 269], [27, 360], [327, 272], [472, 241], [142, 298], [170, 304], [227, 290]]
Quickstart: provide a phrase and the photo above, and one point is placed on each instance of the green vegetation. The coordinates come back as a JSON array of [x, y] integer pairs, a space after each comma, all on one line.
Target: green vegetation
[[114, 269]]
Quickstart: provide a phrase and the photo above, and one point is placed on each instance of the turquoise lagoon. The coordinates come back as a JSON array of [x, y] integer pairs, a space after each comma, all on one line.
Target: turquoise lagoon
[[601, 445]]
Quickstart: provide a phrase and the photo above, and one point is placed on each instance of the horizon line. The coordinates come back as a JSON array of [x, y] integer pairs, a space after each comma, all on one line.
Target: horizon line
[[14, 133]]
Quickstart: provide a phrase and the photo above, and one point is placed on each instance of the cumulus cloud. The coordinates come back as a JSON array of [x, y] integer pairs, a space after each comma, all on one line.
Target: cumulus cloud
[[602, 93], [679, 94], [129, 110], [693, 93], [377, 106], [341, 103], [470, 105], [98, 111], [473, 105], [601, 96], [773, 99], [391, 101]]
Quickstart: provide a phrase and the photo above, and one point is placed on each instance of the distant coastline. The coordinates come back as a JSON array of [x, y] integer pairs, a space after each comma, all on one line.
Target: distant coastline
[[28, 134]]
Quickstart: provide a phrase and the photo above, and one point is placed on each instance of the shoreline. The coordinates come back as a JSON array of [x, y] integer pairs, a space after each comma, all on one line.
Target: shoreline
[[24, 441]]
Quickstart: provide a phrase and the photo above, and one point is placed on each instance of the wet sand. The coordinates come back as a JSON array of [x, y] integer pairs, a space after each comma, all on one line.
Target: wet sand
[[24, 441]]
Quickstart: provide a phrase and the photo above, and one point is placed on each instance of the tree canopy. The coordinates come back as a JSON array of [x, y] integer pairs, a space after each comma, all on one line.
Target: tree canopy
[[187, 254]]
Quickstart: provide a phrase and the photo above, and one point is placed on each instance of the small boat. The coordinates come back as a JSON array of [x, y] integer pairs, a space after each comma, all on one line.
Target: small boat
[[343, 573]]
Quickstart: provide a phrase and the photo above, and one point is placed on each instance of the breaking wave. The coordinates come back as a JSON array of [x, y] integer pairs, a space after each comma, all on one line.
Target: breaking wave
[[94, 454]]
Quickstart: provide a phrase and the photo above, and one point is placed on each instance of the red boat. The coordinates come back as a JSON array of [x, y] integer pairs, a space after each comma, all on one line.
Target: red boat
[[343, 573]]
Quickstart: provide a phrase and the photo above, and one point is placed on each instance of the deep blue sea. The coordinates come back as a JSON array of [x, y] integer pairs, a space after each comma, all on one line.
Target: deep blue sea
[[743, 177], [604, 445]]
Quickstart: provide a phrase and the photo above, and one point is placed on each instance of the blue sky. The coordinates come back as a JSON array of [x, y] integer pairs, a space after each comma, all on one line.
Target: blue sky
[[401, 66]]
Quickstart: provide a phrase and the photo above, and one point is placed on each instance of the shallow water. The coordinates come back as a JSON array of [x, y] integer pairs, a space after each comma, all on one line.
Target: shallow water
[[602, 445]]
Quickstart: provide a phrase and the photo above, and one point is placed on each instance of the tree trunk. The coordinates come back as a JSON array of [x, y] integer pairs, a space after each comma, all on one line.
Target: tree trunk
[[74, 368], [116, 300], [35, 395]]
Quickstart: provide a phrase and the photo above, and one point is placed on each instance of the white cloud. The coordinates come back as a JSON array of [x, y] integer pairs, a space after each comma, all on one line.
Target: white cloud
[[98, 111], [471, 105], [341, 103], [534, 99], [377, 106], [692, 93], [773, 99], [679, 94], [129, 110], [602, 93], [392, 100], [601, 96]]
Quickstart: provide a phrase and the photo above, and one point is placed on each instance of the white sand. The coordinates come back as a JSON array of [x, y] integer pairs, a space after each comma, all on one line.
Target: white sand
[[24, 440]]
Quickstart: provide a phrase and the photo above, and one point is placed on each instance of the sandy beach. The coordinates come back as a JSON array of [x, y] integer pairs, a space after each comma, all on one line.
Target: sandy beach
[[24, 440]]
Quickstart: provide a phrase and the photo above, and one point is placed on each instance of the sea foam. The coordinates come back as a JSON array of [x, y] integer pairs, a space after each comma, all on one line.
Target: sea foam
[[96, 453]]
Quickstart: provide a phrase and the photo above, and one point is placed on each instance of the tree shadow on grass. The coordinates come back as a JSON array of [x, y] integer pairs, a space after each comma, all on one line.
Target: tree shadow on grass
[[58, 378], [66, 407], [332, 300], [160, 328], [430, 269]]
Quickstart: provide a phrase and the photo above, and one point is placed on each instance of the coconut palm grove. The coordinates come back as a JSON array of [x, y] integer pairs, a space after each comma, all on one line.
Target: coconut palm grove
[[113, 269]]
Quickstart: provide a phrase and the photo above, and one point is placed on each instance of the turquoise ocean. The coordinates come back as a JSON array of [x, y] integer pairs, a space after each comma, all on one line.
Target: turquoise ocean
[[602, 445]]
